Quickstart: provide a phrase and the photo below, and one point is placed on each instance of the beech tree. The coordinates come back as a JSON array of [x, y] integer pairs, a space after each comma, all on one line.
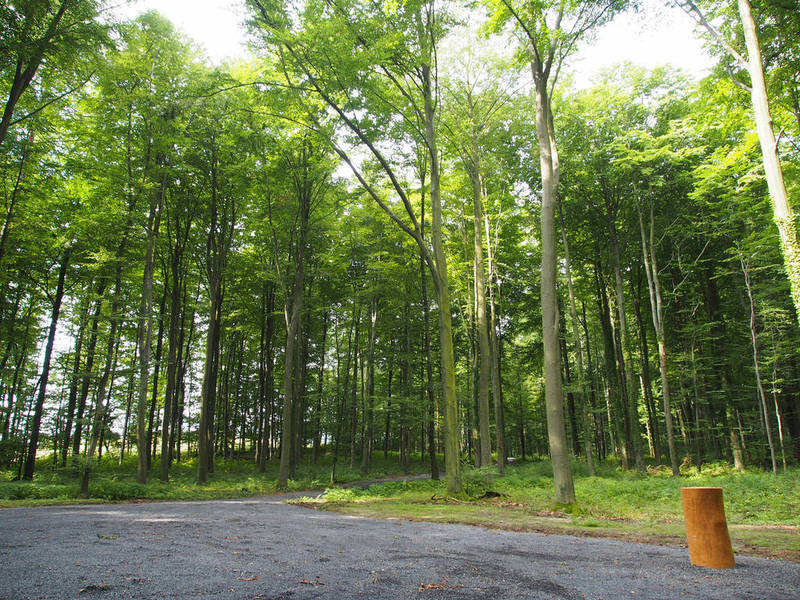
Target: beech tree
[[549, 33], [750, 60], [383, 60]]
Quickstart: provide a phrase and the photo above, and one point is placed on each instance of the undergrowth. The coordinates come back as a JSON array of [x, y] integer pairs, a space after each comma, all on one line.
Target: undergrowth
[[112, 481], [751, 496]]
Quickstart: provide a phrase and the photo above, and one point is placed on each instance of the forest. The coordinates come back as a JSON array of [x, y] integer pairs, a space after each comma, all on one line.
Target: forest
[[399, 230]]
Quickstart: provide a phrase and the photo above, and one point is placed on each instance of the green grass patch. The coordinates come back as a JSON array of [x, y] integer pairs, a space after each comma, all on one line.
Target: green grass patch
[[115, 482], [763, 510]]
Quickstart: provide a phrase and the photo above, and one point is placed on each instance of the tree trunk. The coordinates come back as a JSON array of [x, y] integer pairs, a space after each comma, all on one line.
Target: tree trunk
[[762, 397], [656, 304], [208, 398], [151, 425], [33, 440], [87, 373], [573, 315], [556, 431], [426, 341], [146, 329], [484, 359], [781, 208], [292, 311], [645, 381], [452, 462], [100, 397], [266, 382], [73, 386], [633, 431], [497, 388], [320, 392], [366, 442]]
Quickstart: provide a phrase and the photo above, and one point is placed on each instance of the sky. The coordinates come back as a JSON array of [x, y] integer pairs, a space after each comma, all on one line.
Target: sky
[[648, 41]]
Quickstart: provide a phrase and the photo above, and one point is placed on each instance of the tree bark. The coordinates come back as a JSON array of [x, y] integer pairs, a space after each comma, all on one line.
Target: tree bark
[[497, 383], [656, 309], [146, 330], [366, 442], [33, 440], [781, 208], [762, 397], [452, 461], [556, 431], [573, 315], [484, 362], [320, 392], [292, 311]]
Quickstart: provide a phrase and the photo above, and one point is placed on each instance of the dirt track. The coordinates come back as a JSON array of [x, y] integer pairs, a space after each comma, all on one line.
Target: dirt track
[[261, 549]]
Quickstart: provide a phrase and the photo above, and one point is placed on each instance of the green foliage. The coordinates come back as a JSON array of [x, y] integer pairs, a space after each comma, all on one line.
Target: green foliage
[[232, 479], [751, 496]]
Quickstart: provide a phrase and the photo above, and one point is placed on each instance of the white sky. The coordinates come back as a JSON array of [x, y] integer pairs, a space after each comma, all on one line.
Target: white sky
[[665, 37]]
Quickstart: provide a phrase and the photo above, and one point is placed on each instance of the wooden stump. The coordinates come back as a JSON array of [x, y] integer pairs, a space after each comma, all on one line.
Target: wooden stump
[[706, 528]]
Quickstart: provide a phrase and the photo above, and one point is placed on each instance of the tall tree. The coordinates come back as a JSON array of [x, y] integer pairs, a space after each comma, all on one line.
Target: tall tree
[[549, 31], [349, 56], [751, 62]]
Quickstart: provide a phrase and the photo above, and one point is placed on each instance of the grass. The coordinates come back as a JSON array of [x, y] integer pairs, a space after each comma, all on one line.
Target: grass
[[763, 511], [113, 482]]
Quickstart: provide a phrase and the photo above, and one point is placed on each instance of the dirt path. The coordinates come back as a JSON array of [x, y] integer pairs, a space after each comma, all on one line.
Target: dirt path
[[261, 548]]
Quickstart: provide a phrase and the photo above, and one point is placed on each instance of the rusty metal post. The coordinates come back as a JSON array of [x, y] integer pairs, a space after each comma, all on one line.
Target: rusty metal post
[[706, 528]]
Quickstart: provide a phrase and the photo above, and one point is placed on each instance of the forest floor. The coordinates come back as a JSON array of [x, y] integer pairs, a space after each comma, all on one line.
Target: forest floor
[[263, 548]]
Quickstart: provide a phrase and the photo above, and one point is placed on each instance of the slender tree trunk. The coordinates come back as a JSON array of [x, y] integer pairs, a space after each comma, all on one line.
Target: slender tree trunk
[[656, 304], [128, 407], [146, 330], [497, 389], [33, 440], [267, 385], [573, 315], [387, 430], [87, 373], [778, 416], [484, 361], [354, 388], [172, 357], [645, 380], [73, 386], [366, 442], [452, 462], [208, 398], [100, 396], [759, 385], [632, 414], [434, 463], [320, 392], [556, 431], [151, 426]]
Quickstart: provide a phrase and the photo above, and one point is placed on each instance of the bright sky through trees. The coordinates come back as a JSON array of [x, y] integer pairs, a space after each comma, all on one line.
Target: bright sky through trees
[[662, 35]]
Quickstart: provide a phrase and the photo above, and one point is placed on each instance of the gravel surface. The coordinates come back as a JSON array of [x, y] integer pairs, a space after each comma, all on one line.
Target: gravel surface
[[262, 548]]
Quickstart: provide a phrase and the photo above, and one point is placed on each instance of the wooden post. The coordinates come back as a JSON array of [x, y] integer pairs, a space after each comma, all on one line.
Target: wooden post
[[706, 528]]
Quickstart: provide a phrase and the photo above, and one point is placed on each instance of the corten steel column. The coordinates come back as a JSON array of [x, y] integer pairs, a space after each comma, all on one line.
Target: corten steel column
[[706, 528]]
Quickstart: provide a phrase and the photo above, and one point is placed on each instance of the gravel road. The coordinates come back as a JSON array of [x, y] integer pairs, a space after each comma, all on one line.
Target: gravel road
[[262, 548]]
